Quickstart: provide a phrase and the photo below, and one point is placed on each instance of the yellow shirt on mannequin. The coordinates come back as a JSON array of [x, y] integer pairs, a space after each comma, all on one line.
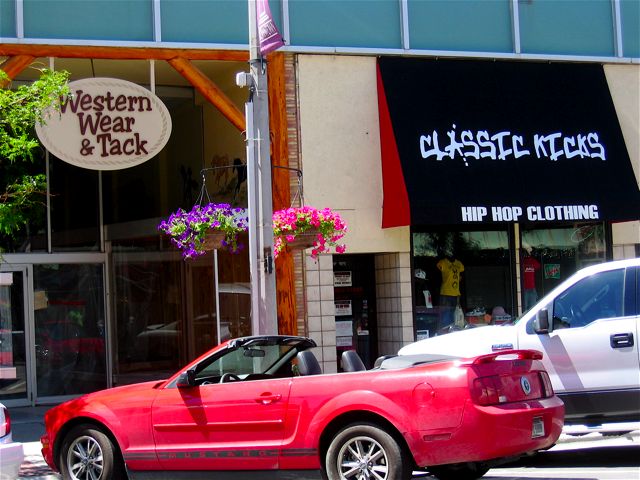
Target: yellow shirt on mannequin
[[450, 276]]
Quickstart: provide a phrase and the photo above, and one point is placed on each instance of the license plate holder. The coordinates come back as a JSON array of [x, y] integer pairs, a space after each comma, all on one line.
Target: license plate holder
[[537, 429]]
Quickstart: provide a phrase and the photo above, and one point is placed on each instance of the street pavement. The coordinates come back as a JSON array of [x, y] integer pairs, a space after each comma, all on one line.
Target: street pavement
[[34, 466], [589, 457], [573, 452]]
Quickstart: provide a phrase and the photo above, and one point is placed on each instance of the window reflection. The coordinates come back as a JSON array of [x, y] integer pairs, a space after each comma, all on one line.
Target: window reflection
[[562, 251], [149, 313], [165, 307], [74, 207], [70, 329]]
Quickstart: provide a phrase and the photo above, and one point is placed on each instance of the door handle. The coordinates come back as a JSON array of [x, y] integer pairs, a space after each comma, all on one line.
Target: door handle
[[268, 398], [621, 340]]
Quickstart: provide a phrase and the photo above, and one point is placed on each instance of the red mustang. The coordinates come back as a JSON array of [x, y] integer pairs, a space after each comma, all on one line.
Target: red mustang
[[261, 403]]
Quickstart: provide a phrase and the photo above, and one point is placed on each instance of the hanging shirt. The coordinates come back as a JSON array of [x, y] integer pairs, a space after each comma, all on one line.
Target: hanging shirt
[[529, 267], [450, 276]]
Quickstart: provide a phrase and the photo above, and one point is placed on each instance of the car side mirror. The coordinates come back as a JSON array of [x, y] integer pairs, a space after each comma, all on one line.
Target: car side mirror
[[541, 322], [186, 379]]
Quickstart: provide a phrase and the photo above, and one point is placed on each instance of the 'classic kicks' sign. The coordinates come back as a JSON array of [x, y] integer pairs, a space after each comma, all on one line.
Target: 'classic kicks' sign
[[479, 142], [106, 124]]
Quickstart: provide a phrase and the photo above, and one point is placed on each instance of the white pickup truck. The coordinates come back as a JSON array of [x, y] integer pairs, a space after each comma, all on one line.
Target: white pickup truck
[[587, 329]]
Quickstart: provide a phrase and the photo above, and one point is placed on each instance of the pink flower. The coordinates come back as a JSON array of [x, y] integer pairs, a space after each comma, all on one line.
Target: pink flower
[[290, 222]]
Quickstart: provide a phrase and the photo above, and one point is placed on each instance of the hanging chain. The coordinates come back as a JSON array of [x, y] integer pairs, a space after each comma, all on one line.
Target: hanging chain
[[204, 193], [299, 195]]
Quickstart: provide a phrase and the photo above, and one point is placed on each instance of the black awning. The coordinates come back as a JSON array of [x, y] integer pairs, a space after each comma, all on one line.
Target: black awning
[[485, 141]]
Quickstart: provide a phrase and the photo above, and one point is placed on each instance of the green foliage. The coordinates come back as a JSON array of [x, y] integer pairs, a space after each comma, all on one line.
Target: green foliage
[[20, 109], [18, 201]]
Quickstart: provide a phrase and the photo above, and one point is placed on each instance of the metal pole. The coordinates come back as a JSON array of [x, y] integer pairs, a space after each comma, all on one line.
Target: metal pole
[[216, 293], [263, 283]]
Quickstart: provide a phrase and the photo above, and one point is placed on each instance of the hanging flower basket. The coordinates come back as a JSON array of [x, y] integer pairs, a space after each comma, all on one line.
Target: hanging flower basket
[[303, 240], [205, 228], [305, 227], [213, 240]]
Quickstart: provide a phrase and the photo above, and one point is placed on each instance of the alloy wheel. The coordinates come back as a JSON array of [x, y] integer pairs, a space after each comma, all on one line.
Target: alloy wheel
[[84, 459], [363, 458]]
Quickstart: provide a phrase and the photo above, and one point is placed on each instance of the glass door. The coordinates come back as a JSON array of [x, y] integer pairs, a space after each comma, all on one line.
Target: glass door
[[15, 365], [70, 327]]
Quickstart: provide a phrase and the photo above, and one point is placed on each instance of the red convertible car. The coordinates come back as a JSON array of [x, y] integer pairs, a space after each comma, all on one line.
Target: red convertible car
[[260, 403]]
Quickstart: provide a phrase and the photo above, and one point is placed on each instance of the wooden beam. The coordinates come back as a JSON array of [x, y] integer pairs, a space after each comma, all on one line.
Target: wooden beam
[[120, 53], [14, 65], [210, 91]]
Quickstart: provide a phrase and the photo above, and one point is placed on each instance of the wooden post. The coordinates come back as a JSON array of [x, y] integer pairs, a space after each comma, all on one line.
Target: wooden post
[[285, 286]]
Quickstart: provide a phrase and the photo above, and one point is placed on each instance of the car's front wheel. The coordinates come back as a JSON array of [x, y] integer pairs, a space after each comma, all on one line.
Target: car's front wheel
[[88, 454], [366, 451]]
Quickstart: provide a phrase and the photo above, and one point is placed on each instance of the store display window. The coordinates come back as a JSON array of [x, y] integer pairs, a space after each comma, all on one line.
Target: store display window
[[461, 280], [550, 255]]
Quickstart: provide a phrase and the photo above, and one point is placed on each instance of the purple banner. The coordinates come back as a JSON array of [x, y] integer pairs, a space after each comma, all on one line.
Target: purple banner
[[268, 34]]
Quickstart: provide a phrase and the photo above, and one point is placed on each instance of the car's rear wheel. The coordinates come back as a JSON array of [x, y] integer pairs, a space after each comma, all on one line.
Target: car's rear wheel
[[459, 471], [366, 451], [88, 454]]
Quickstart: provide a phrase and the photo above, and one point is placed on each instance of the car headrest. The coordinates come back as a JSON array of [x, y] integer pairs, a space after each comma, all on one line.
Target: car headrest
[[308, 363], [351, 362], [381, 359]]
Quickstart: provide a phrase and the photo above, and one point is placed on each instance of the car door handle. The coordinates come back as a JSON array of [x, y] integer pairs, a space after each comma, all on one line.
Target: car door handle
[[621, 340], [268, 398]]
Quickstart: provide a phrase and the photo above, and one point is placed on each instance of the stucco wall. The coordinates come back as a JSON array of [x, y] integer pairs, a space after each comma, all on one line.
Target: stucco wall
[[340, 144], [624, 84]]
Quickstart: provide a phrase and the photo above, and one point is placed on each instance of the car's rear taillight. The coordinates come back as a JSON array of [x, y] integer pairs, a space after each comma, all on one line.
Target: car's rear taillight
[[546, 384], [486, 390], [5, 422]]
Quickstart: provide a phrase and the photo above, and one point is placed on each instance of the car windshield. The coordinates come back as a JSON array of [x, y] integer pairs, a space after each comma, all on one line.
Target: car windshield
[[246, 360]]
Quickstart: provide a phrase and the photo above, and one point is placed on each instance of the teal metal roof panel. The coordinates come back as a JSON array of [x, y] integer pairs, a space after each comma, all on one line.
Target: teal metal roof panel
[[218, 21], [561, 27], [461, 25], [579, 28], [89, 20], [7, 18], [340, 23], [630, 13]]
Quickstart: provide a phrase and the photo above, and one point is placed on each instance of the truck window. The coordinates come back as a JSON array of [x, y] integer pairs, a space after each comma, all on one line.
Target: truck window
[[596, 297]]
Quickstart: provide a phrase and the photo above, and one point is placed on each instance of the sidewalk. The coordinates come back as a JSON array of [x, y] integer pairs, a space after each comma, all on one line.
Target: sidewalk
[[27, 425]]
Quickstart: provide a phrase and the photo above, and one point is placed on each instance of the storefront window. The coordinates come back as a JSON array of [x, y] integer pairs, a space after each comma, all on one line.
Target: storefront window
[[69, 329], [461, 280], [149, 311], [75, 205], [169, 180], [551, 255], [165, 307], [234, 292]]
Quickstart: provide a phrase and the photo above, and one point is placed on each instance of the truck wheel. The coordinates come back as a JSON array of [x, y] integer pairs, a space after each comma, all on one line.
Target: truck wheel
[[366, 451], [87, 453], [459, 471]]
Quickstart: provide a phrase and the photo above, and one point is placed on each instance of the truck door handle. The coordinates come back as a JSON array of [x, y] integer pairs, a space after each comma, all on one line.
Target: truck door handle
[[621, 340], [268, 398]]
